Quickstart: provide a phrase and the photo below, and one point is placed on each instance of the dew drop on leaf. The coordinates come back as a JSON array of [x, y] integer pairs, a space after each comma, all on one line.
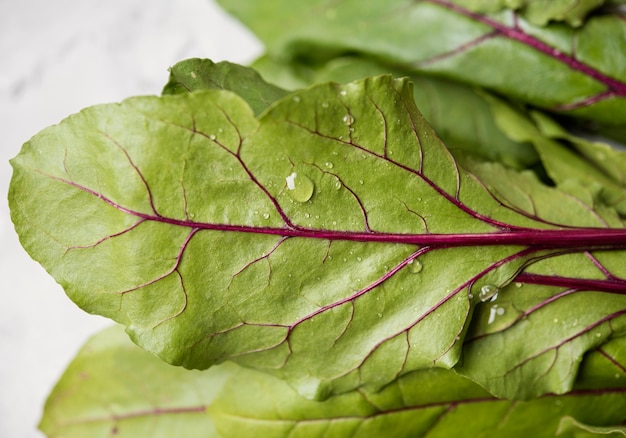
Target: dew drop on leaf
[[337, 184], [299, 187], [212, 137], [296, 99], [343, 92], [488, 292], [348, 119], [329, 165]]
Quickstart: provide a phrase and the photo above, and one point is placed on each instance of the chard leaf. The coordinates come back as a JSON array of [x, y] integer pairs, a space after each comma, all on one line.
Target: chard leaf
[[314, 241], [204, 74], [145, 397], [114, 388], [574, 71]]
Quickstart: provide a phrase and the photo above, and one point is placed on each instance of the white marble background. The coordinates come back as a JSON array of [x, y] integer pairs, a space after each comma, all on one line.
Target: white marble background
[[57, 57]]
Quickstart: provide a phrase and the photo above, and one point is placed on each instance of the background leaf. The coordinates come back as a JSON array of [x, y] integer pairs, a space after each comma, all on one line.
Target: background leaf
[[573, 71], [203, 74], [246, 403], [113, 388]]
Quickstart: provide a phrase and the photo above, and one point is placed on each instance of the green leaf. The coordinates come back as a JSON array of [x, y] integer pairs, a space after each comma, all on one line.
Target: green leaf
[[587, 166], [574, 71], [114, 388], [538, 12], [578, 429], [204, 74], [461, 115], [314, 242]]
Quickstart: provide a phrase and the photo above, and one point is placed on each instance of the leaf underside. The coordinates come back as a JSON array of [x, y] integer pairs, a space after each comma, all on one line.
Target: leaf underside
[[332, 240]]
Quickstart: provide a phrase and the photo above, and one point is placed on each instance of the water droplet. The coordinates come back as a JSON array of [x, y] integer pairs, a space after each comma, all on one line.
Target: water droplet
[[307, 215], [266, 216], [334, 222], [380, 315], [493, 311], [415, 266], [358, 259], [192, 215], [343, 92], [555, 320], [212, 137], [345, 259], [296, 99], [470, 296], [518, 284], [348, 119], [299, 187], [500, 311], [598, 334], [337, 184], [361, 181], [488, 292], [329, 165]]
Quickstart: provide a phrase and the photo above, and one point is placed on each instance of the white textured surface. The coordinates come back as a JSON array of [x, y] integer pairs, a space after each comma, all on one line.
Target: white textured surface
[[58, 57]]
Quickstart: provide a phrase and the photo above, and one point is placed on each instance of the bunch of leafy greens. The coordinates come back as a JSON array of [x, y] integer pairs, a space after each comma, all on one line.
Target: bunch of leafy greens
[[332, 265]]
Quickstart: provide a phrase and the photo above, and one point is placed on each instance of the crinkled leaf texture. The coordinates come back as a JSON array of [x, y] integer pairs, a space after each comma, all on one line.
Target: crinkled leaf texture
[[113, 388], [333, 240], [574, 71]]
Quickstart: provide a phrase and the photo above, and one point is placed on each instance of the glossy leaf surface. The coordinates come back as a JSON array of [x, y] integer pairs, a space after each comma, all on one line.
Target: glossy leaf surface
[[333, 240], [145, 397]]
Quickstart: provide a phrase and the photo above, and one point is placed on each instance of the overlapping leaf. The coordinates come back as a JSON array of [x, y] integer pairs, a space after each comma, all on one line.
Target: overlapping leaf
[[333, 240], [574, 71], [538, 12], [145, 397]]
